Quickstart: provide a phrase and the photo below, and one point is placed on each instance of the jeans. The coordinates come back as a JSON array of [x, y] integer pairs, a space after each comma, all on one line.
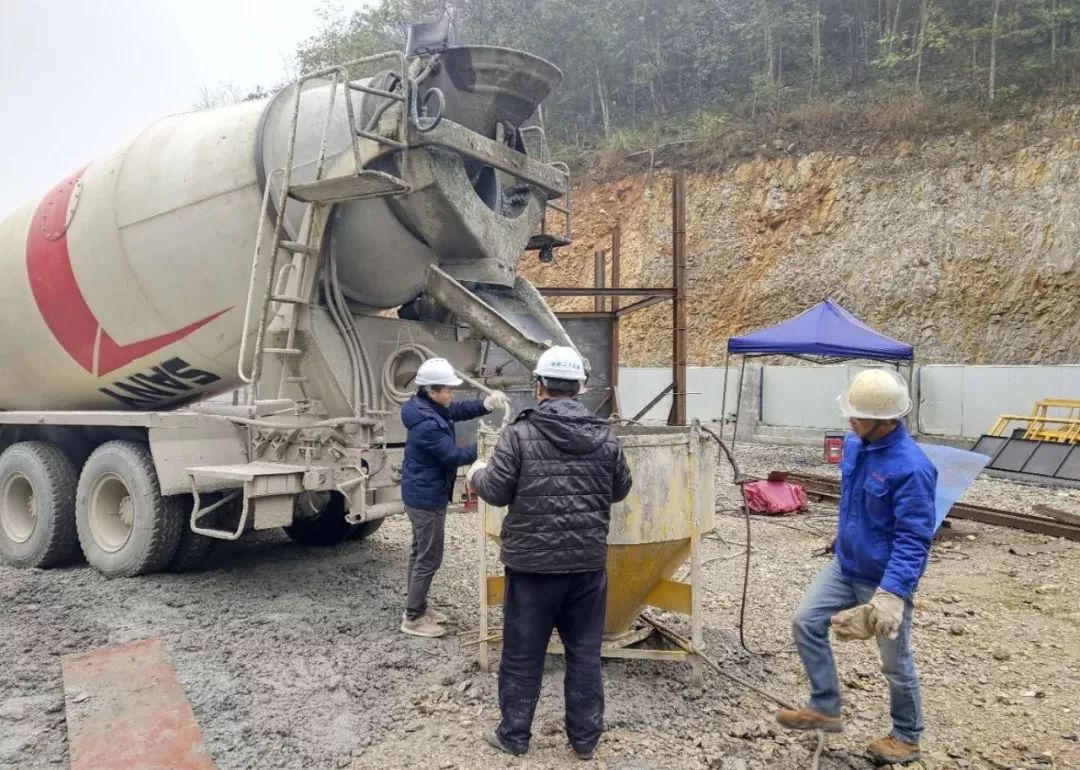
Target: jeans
[[425, 557], [534, 604], [830, 593]]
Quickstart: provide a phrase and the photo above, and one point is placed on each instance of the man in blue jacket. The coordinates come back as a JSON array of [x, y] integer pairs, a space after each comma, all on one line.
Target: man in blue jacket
[[883, 542], [432, 458]]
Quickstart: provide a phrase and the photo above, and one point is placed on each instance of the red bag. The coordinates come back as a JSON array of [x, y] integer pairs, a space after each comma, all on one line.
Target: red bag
[[775, 497]]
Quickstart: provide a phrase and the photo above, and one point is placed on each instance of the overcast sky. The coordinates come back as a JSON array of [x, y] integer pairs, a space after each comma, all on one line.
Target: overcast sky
[[81, 77]]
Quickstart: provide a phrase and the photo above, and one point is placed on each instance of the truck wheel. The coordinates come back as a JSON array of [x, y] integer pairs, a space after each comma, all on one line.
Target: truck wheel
[[125, 526], [362, 531], [325, 527], [37, 501], [193, 550]]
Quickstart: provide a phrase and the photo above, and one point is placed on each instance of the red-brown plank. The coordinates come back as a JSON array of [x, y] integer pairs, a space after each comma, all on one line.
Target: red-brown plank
[[126, 710]]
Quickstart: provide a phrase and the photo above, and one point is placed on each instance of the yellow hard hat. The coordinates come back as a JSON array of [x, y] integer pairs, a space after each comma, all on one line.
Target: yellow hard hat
[[876, 394]]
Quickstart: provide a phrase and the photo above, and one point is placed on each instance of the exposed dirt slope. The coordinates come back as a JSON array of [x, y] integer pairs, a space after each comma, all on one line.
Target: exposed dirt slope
[[965, 246]]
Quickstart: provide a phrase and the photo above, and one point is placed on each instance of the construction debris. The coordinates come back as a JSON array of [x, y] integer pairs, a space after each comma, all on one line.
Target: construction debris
[[126, 709]]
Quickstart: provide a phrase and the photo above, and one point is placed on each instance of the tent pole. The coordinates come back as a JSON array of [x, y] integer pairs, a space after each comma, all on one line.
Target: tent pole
[[912, 429], [738, 405], [723, 396]]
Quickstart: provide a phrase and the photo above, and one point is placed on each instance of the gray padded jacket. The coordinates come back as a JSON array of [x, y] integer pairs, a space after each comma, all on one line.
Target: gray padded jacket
[[558, 468]]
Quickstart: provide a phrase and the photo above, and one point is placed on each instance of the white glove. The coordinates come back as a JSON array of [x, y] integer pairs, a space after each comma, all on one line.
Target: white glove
[[889, 613], [479, 465], [854, 624], [497, 400]]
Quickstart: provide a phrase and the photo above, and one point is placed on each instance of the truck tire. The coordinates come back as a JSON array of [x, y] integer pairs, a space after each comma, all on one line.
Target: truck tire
[[193, 550], [327, 527], [362, 531], [125, 526], [37, 505]]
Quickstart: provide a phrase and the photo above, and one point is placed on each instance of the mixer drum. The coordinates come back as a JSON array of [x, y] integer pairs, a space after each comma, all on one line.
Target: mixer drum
[[125, 286]]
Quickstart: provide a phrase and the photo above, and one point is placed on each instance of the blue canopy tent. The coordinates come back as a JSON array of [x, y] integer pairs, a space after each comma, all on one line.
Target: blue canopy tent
[[825, 333]]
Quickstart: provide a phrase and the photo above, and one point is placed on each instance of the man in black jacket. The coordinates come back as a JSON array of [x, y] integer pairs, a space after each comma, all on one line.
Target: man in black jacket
[[558, 468]]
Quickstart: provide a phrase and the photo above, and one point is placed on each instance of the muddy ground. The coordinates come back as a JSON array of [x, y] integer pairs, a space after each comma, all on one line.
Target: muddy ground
[[292, 659]]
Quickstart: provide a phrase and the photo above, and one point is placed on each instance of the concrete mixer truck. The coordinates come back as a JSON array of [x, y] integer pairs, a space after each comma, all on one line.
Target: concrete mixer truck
[[312, 249]]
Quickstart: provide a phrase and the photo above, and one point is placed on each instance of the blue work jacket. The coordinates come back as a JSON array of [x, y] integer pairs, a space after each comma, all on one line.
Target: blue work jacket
[[432, 455], [886, 512]]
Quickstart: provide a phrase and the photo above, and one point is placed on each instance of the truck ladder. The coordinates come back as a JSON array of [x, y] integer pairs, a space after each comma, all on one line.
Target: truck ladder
[[320, 195]]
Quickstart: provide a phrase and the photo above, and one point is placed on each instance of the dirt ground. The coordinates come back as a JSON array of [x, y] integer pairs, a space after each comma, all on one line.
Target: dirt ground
[[292, 659]]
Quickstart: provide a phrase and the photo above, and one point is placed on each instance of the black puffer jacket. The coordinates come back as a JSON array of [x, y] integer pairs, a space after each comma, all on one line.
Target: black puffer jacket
[[559, 468]]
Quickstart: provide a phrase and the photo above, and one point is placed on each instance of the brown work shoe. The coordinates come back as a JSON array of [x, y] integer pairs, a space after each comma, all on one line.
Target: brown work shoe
[[892, 751], [809, 719], [435, 616], [422, 626]]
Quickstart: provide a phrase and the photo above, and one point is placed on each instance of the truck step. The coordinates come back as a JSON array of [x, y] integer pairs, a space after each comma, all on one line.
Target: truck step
[[245, 471], [366, 184], [299, 248]]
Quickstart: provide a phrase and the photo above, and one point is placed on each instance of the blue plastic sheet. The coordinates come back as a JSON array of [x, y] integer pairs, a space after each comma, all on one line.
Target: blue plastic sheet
[[957, 470]]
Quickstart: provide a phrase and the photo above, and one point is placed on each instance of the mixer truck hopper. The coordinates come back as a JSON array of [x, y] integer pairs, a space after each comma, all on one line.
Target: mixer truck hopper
[[310, 248]]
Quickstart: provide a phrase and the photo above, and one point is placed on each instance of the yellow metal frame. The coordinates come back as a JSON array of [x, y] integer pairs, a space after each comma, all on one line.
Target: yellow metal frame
[[671, 595], [1066, 423]]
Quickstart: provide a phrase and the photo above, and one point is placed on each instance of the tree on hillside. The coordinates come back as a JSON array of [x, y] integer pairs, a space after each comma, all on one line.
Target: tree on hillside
[[630, 64]]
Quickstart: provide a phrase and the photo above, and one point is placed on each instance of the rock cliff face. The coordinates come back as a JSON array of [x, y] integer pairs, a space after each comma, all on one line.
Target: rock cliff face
[[966, 247]]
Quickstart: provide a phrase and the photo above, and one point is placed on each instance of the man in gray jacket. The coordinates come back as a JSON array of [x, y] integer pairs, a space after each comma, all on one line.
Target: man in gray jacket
[[558, 468]]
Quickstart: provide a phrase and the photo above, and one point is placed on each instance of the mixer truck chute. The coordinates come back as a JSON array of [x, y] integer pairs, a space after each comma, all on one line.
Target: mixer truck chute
[[267, 245]]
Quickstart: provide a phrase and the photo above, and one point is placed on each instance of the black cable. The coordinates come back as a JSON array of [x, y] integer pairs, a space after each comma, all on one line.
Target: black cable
[[740, 481], [685, 644]]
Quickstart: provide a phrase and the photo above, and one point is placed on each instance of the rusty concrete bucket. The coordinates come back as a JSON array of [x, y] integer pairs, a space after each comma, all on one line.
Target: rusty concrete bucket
[[653, 533]]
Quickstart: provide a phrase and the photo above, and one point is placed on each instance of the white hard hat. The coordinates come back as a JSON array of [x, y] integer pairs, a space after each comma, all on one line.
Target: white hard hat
[[437, 371], [876, 394], [560, 363]]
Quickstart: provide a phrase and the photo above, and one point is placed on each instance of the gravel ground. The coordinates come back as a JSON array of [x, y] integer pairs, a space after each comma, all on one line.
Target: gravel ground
[[291, 656]]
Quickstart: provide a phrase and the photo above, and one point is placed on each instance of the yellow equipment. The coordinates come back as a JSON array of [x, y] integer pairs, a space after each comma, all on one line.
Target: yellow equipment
[[1062, 426], [653, 533]]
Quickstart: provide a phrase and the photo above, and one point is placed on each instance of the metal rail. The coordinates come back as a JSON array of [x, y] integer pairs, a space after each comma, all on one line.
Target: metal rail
[[648, 297], [677, 415], [1040, 418], [830, 488], [619, 291], [564, 209]]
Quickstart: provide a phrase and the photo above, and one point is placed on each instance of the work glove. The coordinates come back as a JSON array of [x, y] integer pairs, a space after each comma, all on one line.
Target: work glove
[[854, 624], [479, 465], [888, 613], [497, 400]]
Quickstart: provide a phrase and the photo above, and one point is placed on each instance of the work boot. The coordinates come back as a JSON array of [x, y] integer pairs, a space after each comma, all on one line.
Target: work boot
[[809, 719], [585, 756], [422, 626], [435, 615], [492, 738], [892, 751]]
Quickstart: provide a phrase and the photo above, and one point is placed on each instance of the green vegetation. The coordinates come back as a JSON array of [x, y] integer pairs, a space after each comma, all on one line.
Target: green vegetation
[[644, 73]]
